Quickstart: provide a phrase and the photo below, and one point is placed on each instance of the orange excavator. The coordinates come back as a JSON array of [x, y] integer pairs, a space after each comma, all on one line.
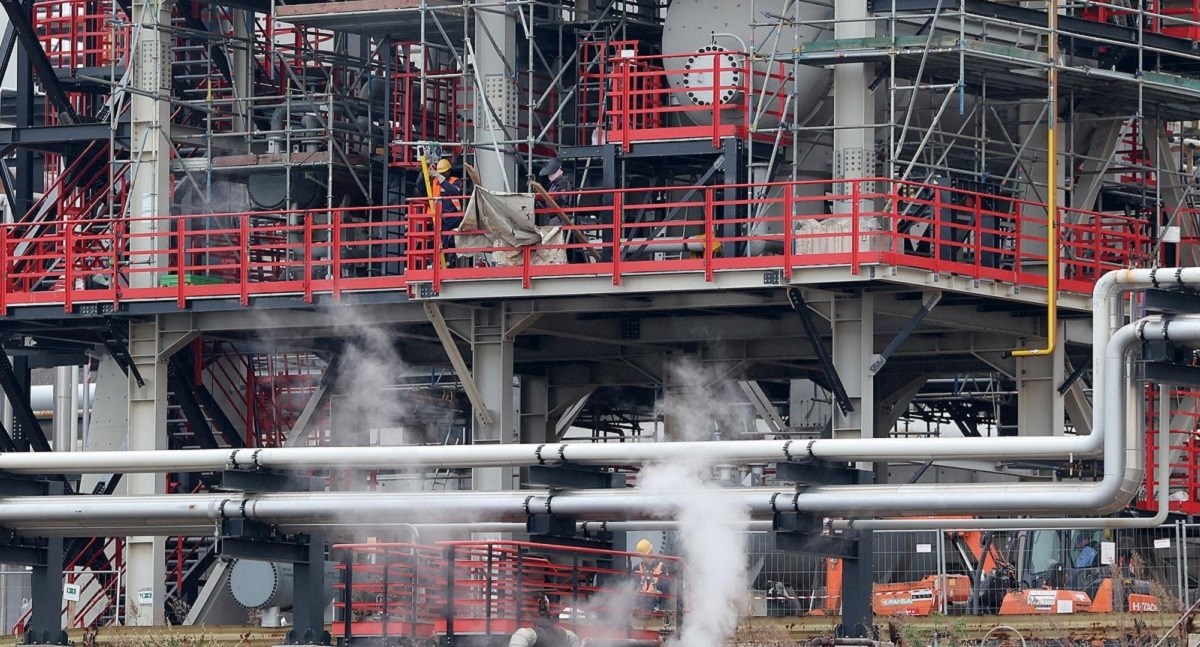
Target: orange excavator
[[1051, 576], [1060, 571]]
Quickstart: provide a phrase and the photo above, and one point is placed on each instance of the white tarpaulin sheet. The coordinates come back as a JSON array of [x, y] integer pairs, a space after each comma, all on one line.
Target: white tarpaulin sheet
[[507, 221]]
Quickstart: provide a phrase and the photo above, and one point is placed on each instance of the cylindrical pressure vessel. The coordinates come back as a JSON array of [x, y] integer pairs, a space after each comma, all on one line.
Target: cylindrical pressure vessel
[[703, 39]]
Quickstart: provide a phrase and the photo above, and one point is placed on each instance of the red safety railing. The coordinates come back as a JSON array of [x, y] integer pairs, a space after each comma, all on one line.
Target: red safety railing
[[785, 226], [425, 106], [93, 609], [397, 591], [1177, 18], [702, 95], [82, 33], [1184, 439]]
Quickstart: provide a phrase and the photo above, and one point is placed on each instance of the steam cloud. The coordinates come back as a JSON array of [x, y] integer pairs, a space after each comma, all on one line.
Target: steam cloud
[[712, 530]]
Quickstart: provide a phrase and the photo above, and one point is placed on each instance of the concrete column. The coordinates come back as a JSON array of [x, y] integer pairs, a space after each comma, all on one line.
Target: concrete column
[[1041, 411], [495, 53], [492, 368], [853, 345], [150, 148], [145, 557]]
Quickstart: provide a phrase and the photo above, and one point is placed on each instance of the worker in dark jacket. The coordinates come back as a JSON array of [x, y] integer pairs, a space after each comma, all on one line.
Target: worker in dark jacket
[[447, 190], [562, 190]]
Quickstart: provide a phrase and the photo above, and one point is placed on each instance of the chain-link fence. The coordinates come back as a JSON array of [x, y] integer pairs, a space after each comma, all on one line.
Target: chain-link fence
[[1013, 572]]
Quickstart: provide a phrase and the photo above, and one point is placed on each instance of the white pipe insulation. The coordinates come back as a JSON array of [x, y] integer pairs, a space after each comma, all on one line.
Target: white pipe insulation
[[1120, 482], [1121, 479], [1106, 315]]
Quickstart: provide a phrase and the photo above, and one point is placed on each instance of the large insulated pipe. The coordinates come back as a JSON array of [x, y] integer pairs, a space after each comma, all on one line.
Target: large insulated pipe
[[519, 455], [1105, 312], [1121, 479]]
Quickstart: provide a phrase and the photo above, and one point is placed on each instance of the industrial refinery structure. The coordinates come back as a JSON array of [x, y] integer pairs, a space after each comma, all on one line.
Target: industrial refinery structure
[[868, 264]]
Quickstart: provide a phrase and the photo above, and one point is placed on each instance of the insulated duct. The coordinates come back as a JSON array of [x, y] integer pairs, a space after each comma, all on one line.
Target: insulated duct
[[1120, 482], [1106, 318], [1116, 437]]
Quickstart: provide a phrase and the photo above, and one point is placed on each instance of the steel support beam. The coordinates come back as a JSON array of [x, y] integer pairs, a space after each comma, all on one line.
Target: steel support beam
[[26, 432], [150, 132], [762, 405], [796, 296], [147, 419], [927, 305], [478, 403], [21, 19], [298, 434], [492, 365]]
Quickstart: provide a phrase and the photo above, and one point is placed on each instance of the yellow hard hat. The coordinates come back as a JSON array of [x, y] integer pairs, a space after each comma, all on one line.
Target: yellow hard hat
[[645, 547], [443, 165]]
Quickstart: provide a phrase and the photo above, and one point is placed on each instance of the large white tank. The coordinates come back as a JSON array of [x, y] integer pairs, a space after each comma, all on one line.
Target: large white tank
[[689, 29]]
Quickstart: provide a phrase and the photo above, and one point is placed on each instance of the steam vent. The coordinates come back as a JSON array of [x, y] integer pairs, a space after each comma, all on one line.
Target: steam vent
[[600, 323]]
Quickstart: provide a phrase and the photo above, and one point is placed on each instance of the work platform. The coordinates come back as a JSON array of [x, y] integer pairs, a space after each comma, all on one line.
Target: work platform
[[700, 238]]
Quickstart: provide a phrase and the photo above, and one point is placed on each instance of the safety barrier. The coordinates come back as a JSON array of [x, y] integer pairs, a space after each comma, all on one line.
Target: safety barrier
[[711, 94], [781, 227], [1183, 414], [790, 225], [82, 33], [395, 591]]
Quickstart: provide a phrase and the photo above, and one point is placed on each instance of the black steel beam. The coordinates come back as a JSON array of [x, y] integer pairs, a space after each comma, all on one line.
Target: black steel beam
[[1171, 301], [308, 595], [562, 476], [116, 342], [927, 306], [826, 545], [27, 167], [54, 139], [265, 481], [1176, 374], [796, 297], [858, 576], [265, 551], [21, 20], [46, 589], [1075, 375], [816, 472], [26, 432], [180, 384], [550, 525]]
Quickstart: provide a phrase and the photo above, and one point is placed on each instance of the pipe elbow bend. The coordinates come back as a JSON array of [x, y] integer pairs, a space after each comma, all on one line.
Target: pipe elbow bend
[[523, 637]]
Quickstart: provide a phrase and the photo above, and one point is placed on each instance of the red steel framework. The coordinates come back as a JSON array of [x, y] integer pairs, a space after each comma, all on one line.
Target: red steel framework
[[260, 253], [1184, 439], [454, 589]]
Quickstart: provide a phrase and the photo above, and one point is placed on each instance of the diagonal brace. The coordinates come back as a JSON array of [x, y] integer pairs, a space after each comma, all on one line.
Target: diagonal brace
[[26, 427], [796, 297], [928, 304], [460, 365]]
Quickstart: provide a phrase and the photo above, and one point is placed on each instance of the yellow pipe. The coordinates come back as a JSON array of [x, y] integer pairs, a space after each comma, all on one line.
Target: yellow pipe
[[428, 184], [1051, 195]]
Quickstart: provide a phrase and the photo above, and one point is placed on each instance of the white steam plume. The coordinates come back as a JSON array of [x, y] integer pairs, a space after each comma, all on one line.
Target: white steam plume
[[712, 533]]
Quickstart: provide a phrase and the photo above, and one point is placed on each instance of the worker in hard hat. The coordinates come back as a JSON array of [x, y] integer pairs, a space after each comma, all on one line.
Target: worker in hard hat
[[651, 571], [447, 190]]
